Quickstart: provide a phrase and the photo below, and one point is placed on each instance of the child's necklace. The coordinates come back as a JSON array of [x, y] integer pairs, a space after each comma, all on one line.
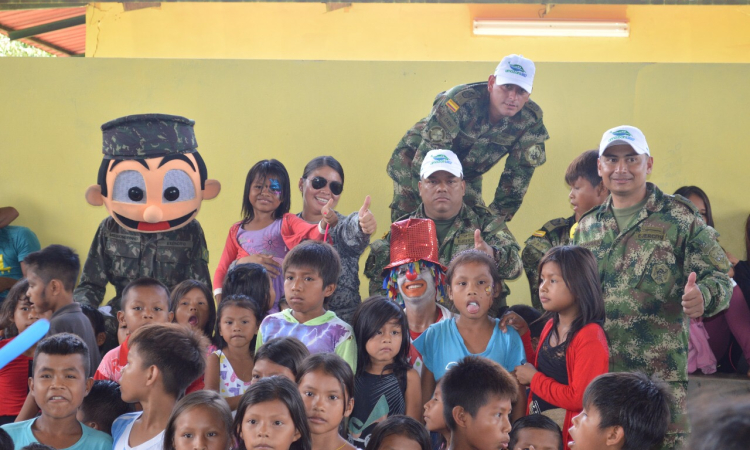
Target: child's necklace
[[342, 446]]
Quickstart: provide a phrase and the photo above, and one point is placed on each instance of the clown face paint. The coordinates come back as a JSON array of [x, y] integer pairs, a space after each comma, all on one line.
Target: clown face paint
[[416, 283]]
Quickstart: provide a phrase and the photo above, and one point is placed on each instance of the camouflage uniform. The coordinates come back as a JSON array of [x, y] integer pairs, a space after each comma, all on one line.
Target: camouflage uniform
[[459, 121], [460, 237], [119, 256], [644, 270], [554, 233]]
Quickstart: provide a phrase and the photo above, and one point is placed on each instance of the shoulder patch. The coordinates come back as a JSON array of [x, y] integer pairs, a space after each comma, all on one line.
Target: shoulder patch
[[465, 95], [535, 156], [555, 223], [539, 233], [453, 106], [540, 245], [437, 134], [446, 119]]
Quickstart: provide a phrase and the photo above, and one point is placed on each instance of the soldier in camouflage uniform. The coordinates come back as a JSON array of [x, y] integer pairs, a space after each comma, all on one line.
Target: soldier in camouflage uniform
[[660, 265], [586, 192], [442, 189], [481, 123], [152, 181]]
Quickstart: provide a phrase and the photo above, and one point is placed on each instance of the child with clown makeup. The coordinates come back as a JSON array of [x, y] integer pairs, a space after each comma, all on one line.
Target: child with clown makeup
[[267, 231], [415, 279]]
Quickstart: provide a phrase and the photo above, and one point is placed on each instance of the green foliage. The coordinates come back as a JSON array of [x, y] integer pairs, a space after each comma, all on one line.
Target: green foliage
[[17, 48]]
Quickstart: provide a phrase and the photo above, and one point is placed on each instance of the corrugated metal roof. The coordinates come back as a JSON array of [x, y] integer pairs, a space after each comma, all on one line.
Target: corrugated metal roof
[[64, 42]]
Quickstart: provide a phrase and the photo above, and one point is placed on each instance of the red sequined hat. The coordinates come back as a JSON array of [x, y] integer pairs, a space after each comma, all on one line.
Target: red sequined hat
[[413, 240]]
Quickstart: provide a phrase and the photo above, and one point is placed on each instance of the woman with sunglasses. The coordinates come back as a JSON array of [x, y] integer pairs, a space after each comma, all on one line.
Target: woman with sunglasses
[[321, 182]]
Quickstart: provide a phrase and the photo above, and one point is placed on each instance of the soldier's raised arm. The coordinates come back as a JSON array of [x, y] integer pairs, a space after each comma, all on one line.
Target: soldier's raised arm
[[527, 154]]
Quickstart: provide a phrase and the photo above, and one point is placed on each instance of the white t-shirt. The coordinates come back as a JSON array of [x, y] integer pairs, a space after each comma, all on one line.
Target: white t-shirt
[[121, 428]]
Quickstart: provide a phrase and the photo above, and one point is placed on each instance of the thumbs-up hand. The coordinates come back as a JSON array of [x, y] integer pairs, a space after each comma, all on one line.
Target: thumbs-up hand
[[692, 300], [330, 217], [482, 246], [366, 219]]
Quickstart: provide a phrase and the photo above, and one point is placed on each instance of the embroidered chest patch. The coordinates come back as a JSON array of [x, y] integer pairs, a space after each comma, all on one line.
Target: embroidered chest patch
[[660, 273], [651, 234]]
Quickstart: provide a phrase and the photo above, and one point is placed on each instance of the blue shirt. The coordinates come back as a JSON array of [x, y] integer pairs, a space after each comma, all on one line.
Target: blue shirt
[[442, 346], [91, 439], [15, 244]]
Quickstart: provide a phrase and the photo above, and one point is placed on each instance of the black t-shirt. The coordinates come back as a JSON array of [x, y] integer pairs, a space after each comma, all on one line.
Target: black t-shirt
[[377, 397], [551, 362]]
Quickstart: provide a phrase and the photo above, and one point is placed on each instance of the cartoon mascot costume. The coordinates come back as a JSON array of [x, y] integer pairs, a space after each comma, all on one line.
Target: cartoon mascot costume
[[152, 181]]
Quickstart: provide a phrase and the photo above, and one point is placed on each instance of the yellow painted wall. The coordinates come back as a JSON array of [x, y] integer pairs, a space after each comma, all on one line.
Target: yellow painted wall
[[693, 115], [410, 32]]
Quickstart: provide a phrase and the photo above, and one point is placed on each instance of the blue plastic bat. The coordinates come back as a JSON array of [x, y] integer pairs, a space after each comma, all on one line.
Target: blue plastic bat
[[23, 341]]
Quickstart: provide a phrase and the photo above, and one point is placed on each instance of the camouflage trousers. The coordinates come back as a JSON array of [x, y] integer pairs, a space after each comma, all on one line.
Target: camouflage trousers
[[679, 429]]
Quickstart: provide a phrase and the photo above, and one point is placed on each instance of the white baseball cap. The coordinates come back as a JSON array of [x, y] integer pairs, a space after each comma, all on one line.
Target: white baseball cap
[[515, 69], [627, 135], [437, 160]]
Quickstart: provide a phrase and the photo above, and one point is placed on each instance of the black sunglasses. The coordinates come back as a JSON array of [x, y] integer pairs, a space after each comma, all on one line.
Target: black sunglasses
[[320, 183]]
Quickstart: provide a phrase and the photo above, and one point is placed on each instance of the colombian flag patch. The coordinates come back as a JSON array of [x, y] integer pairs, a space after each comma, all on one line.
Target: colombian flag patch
[[539, 233], [452, 105]]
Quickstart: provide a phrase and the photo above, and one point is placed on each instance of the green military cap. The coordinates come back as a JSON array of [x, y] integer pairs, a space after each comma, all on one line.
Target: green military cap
[[148, 136]]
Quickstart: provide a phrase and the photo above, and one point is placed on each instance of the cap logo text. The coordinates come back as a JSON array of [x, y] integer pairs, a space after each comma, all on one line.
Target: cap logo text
[[441, 159], [621, 134], [516, 69]]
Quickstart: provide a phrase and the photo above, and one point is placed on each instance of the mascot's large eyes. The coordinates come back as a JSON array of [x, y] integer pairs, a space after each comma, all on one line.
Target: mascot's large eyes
[[130, 187], [178, 186]]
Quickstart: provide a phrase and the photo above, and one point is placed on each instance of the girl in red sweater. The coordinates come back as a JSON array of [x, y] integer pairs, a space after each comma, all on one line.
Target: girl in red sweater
[[573, 348]]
